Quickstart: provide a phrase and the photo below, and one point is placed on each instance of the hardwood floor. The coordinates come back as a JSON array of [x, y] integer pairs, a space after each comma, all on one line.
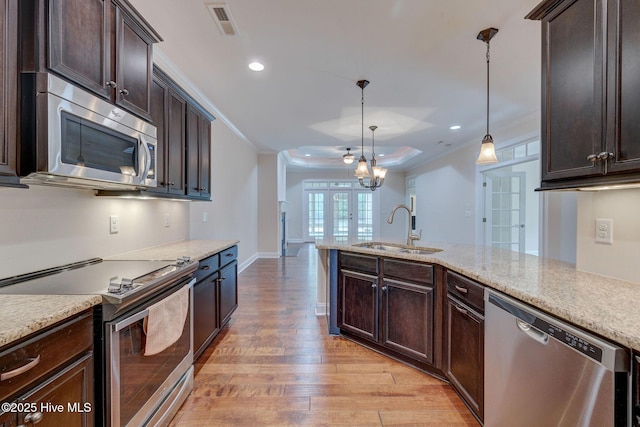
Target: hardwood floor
[[275, 365]]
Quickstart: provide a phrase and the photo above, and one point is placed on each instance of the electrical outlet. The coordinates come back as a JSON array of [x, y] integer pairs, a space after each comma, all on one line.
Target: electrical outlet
[[114, 224], [205, 216], [604, 231], [167, 221]]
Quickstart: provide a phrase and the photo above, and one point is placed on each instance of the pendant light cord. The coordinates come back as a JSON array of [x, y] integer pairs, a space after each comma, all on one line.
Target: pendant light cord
[[488, 87], [362, 123]]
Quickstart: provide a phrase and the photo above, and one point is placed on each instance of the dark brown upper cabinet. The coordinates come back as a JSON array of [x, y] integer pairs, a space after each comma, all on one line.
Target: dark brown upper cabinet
[[168, 114], [103, 46], [590, 92], [198, 152], [8, 92]]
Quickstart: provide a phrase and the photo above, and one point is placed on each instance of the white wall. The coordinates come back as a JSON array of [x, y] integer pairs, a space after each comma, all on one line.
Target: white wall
[[233, 212], [45, 226], [446, 197], [390, 194], [619, 259], [268, 208]]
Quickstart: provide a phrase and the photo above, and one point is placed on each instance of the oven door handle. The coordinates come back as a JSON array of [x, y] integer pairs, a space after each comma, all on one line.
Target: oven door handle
[[130, 320]]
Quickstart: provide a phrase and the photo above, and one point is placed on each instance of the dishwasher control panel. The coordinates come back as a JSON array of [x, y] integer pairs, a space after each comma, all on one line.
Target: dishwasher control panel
[[573, 341]]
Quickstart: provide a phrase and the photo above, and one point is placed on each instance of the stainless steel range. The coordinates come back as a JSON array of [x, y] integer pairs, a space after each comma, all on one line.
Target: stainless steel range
[[143, 332]]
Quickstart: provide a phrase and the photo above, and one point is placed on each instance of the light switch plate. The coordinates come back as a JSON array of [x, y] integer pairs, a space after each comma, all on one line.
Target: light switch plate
[[114, 224], [604, 231]]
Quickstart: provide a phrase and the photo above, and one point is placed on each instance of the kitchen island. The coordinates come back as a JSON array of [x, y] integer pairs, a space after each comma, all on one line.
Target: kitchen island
[[599, 304]]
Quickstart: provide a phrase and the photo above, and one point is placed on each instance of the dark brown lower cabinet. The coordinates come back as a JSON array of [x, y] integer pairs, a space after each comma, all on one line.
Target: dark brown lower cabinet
[[70, 390], [636, 389], [215, 297], [205, 313], [465, 353], [408, 318], [389, 303], [359, 304], [228, 291], [464, 340]]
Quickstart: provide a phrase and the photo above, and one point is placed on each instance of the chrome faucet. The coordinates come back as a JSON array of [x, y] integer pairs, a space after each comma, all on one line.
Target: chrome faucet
[[410, 236]]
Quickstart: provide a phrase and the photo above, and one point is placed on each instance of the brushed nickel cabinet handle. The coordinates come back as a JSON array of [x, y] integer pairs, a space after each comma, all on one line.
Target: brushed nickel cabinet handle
[[111, 84], [33, 417], [32, 362], [461, 310], [461, 289], [124, 92]]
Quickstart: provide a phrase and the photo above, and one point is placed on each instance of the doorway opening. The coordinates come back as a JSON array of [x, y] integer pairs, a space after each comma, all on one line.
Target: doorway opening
[[338, 210], [511, 206]]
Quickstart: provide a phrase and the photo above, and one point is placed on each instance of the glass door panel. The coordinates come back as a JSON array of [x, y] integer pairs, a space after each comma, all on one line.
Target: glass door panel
[[505, 220]]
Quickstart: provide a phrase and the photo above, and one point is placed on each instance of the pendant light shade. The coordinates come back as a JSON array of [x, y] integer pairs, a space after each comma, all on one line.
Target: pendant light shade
[[487, 149]]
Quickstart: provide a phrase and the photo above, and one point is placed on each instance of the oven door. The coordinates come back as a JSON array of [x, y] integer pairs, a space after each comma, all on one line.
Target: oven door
[[138, 384]]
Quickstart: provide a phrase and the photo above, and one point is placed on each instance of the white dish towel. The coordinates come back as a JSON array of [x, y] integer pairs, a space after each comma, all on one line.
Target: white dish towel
[[165, 322]]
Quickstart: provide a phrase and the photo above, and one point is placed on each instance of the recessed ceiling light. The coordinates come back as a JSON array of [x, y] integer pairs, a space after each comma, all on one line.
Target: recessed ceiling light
[[256, 66], [307, 155], [455, 127], [381, 154]]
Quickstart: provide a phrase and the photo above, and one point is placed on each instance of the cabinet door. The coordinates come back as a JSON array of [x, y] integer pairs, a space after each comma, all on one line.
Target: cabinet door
[[358, 304], [205, 158], [623, 71], [205, 313], [158, 108], [193, 147], [465, 353], [408, 318], [80, 43], [175, 144], [636, 389], [72, 390], [133, 66], [8, 92], [572, 90], [8, 419], [228, 291]]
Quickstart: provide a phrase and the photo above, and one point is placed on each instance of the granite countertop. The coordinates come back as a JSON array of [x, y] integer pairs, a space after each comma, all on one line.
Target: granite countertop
[[600, 304], [196, 249], [21, 315]]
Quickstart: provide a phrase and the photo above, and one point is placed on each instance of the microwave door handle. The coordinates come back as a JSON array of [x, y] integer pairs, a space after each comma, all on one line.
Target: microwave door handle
[[146, 157]]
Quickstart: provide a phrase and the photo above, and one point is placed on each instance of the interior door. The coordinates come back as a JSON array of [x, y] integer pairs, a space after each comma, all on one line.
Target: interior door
[[505, 210]]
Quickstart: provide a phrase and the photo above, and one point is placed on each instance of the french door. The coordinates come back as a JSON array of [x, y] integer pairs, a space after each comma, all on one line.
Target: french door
[[505, 213], [341, 212]]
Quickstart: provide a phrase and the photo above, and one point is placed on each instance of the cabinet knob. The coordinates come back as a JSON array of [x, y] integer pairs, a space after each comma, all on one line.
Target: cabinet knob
[[384, 288], [124, 92], [33, 417], [111, 84], [592, 158], [373, 286]]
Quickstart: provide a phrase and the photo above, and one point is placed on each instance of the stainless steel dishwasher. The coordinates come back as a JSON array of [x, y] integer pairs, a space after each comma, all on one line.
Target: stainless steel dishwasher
[[540, 371]]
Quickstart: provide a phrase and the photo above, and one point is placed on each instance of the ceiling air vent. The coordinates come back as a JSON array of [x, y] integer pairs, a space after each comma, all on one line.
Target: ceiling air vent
[[222, 18]]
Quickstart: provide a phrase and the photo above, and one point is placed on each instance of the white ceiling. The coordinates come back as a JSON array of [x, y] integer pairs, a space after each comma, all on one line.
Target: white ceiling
[[426, 68]]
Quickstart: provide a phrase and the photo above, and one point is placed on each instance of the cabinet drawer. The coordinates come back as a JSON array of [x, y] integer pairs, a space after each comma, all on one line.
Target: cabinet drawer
[[35, 358], [228, 255], [410, 271], [206, 267], [467, 291], [362, 263]]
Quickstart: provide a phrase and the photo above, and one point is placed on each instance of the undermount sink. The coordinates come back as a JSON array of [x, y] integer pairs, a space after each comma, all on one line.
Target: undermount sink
[[391, 247]]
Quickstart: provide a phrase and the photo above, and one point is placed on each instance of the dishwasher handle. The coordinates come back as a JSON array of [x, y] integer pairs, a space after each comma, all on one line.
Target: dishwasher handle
[[532, 332]]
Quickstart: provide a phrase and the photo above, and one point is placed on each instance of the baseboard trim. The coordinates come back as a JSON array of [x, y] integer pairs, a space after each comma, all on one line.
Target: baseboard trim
[[247, 263], [322, 309], [268, 255]]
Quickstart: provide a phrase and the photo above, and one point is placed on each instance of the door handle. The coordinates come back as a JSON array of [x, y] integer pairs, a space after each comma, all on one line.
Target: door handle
[[535, 334]]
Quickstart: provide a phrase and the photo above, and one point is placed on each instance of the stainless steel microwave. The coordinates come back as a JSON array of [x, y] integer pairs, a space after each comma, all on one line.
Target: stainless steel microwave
[[70, 137]]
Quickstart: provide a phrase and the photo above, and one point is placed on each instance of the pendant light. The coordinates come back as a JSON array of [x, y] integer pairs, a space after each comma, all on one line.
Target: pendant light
[[348, 158], [376, 177], [487, 149]]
